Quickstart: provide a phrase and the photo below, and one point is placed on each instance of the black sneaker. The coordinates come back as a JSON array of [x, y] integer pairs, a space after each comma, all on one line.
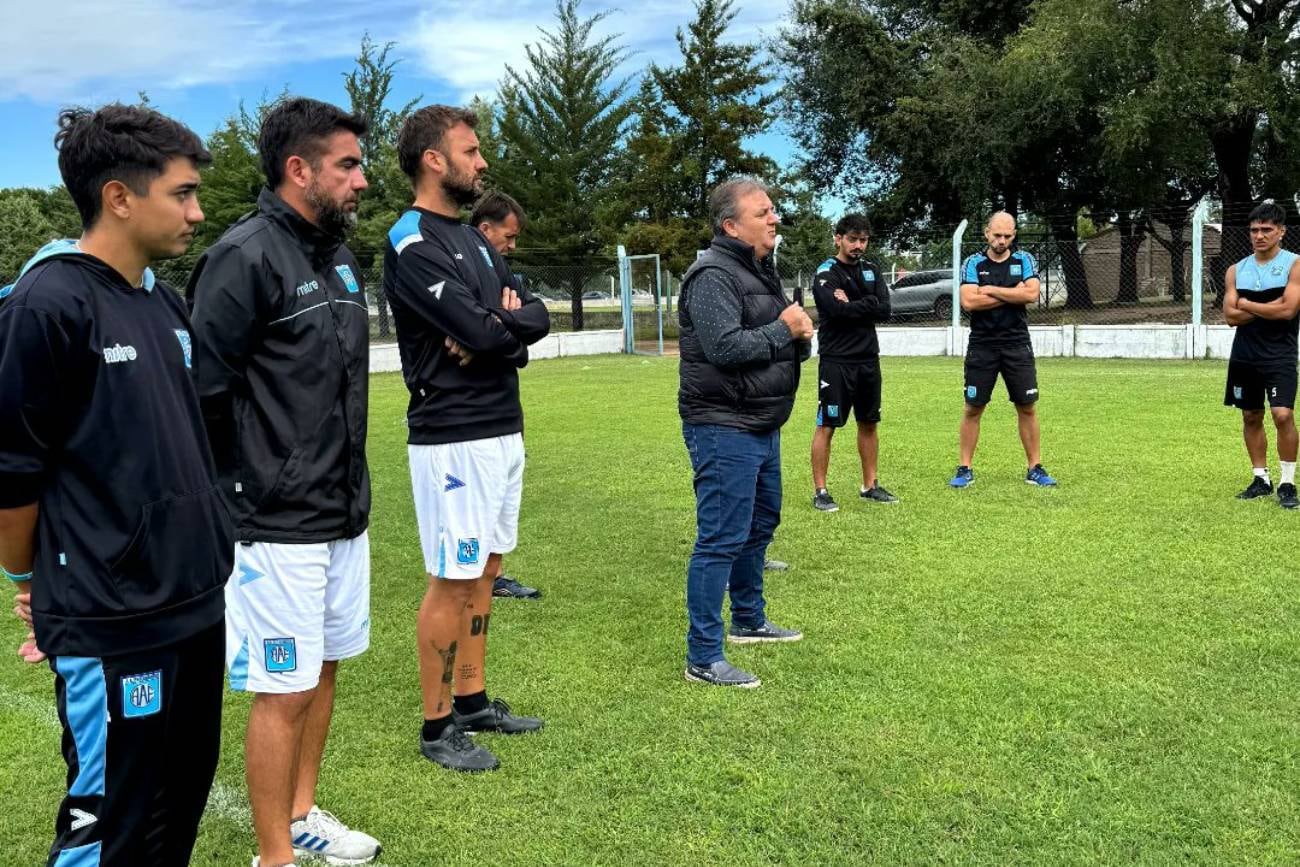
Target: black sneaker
[[496, 717], [1286, 496], [769, 631], [506, 586], [775, 566], [877, 494], [454, 750], [721, 673], [822, 502], [1258, 488]]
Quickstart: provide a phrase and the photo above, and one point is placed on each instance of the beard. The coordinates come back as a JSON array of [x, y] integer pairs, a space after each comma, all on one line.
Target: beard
[[463, 188], [332, 217]]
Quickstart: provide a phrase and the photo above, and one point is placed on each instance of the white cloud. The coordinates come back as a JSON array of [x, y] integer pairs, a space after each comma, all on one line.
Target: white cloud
[[77, 49], [54, 53], [469, 46]]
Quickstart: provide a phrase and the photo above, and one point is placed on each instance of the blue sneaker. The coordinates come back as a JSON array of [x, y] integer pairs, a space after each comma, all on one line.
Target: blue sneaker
[[965, 477], [1038, 476]]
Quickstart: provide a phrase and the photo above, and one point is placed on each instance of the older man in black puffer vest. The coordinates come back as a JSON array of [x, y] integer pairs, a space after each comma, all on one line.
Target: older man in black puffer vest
[[741, 345]]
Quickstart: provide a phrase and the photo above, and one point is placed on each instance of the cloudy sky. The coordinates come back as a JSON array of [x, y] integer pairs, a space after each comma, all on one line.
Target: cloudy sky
[[197, 60]]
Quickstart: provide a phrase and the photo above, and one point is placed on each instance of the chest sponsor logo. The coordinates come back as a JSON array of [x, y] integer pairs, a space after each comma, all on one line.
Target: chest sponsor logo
[[141, 694], [487, 257], [349, 279], [984, 272], [187, 346], [281, 654], [306, 288], [117, 353]]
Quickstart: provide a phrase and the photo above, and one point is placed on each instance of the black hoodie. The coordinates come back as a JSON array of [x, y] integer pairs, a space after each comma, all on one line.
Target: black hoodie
[[102, 429]]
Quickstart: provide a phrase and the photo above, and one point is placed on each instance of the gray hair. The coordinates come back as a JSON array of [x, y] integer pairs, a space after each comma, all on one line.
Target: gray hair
[[723, 201]]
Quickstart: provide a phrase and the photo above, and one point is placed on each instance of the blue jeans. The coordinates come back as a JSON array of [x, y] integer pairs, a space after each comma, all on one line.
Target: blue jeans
[[737, 509]]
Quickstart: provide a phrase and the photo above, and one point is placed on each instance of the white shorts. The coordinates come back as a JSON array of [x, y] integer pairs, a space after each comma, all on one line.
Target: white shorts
[[467, 502], [291, 607]]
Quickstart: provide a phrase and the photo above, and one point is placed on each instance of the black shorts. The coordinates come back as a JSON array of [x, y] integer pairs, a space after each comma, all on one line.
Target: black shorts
[[1250, 382], [844, 384], [1015, 363], [141, 734]]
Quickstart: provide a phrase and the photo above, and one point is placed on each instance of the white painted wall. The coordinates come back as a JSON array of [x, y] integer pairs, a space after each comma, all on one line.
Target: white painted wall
[[1050, 341], [385, 359]]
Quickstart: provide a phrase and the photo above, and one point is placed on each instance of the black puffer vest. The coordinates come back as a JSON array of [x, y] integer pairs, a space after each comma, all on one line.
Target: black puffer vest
[[757, 396]]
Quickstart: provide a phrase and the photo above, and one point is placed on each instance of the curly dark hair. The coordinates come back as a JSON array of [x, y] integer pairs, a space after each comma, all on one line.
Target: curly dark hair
[[127, 143]]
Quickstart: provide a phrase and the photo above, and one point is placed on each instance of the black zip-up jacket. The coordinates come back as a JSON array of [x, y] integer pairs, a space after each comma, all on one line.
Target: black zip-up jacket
[[739, 365], [101, 428], [846, 330], [444, 279], [282, 362]]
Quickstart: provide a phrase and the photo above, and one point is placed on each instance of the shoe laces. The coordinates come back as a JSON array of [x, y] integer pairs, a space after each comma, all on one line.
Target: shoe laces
[[323, 823], [499, 707], [460, 742]]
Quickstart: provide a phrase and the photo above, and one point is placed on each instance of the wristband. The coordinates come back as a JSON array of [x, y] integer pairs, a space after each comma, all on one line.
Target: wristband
[[26, 576]]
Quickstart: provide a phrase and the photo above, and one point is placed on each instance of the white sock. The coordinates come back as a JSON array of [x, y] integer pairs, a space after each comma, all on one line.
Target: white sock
[[1262, 473], [1288, 472]]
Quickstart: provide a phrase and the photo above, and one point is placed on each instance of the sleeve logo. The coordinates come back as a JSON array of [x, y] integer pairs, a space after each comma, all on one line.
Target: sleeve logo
[[349, 279], [187, 347]]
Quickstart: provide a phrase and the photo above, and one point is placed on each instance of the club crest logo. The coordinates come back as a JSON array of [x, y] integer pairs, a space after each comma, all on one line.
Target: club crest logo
[[141, 694], [466, 551], [187, 346], [349, 279], [281, 654]]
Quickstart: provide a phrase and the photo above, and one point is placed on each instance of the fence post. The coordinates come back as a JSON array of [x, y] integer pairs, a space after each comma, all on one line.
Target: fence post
[[955, 325], [625, 291], [1199, 217]]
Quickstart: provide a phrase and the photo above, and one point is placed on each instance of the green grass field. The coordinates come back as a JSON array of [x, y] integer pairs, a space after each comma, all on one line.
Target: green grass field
[[1102, 673]]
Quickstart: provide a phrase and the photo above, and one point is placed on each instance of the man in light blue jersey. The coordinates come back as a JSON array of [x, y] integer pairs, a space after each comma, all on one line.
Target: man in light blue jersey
[[1262, 302]]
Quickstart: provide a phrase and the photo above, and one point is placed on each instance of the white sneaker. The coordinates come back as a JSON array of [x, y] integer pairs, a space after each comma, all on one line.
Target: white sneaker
[[321, 835]]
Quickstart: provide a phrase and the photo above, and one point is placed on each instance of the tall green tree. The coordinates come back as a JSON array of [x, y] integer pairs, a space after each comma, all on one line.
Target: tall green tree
[[562, 123], [693, 121], [369, 86]]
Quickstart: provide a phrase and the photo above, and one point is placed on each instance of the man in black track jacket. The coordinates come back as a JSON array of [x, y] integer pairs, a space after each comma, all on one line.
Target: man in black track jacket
[[282, 363], [463, 330], [109, 517], [852, 296]]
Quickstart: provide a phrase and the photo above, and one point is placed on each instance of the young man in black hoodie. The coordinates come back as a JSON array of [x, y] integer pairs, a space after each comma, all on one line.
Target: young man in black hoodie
[[463, 330], [109, 517], [282, 359]]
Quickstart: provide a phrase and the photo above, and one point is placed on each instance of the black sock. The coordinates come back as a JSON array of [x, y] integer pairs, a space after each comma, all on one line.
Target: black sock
[[433, 728], [468, 704]]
